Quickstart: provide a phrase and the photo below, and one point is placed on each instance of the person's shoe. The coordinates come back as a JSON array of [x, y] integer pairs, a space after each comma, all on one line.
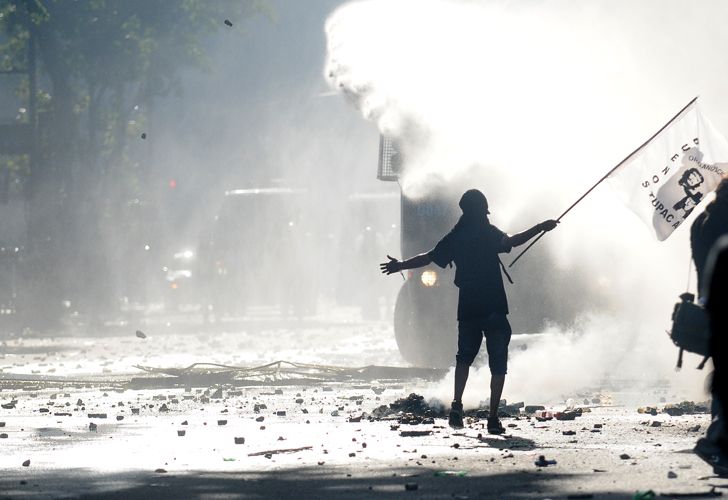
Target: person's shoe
[[456, 415], [713, 455], [494, 426]]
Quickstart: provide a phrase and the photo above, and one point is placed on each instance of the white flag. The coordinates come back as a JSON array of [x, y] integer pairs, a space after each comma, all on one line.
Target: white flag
[[668, 176]]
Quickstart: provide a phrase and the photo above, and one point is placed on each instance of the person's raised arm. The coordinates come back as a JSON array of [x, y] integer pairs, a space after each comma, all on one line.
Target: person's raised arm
[[395, 266], [521, 238]]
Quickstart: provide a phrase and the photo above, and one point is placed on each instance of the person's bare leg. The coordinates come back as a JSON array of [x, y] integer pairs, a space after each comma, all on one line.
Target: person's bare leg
[[461, 378], [496, 390]]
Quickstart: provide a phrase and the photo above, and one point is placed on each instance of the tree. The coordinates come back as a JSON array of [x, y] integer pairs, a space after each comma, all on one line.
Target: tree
[[101, 63]]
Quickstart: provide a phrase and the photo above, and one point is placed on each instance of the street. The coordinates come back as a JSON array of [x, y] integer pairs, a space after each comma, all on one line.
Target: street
[[80, 420]]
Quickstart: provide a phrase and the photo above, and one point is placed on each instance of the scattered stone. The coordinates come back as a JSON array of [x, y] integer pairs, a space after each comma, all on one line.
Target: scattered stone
[[3, 436], [144, 136], [135, 411], [163, 408], [352, 454], [647, 409], [222, 422], [624, 456], [671, 475], [97, 415], [92, 426], [228, 23], [567, 415], [414, 433], [281, 413], [543, 415], [656, 423], [239, 440], [26, 463], [411, 486], [568, 433], [694, 428], [598, 426], [299, 401], [140, 334], [119, 417], [542, 462], [2, 424], [181, 433], [160, 471], [260, 419]]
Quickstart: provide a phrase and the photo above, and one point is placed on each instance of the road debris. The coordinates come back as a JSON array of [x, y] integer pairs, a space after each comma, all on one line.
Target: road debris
[[450, 473], [140, 334], [542, 462], [284, 450]]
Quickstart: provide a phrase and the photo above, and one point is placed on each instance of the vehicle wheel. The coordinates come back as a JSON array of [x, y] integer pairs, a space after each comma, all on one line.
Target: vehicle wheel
[[423, 337]]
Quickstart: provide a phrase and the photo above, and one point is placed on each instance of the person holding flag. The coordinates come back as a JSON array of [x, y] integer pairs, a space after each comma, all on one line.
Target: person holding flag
[[473, 245], [709, 244]]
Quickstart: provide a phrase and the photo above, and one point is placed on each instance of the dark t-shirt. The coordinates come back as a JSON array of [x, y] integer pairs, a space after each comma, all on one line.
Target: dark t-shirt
[[475, 252]]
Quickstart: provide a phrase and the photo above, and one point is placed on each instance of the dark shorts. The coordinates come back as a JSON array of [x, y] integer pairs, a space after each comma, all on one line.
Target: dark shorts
[[497, 332]]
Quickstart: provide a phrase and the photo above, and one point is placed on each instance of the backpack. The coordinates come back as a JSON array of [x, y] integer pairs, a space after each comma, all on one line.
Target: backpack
[[690, 328]]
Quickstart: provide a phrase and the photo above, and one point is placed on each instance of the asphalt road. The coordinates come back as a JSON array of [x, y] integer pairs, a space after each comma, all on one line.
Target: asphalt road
[[89, 424]]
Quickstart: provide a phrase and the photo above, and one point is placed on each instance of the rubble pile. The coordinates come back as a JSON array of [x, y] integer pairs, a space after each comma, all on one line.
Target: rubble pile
[[410, 410], [676, 410]]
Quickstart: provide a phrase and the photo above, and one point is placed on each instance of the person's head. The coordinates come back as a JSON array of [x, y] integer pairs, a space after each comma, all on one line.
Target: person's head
[[473, 203]]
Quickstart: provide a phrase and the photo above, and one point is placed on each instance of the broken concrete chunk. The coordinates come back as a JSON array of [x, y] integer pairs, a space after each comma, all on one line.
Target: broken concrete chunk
[[414, 433], [542, 462], [239, 440]]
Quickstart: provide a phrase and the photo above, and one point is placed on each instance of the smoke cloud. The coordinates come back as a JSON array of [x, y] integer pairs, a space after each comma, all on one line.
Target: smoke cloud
[[545, 97]]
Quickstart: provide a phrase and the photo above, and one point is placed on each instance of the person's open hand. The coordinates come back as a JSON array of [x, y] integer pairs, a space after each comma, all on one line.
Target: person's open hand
[[391, 267], [547, 225]]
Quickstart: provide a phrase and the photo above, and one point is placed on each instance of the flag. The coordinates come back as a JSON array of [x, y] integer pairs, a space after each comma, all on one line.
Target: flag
[[673, 172]]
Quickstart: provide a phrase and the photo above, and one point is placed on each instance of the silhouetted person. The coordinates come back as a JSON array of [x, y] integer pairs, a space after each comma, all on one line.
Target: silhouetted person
[[708, 226], [707, 240], [473, 245]]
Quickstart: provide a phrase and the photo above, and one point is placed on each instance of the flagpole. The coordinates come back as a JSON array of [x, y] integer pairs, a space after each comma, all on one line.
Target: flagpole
[[605, 177]]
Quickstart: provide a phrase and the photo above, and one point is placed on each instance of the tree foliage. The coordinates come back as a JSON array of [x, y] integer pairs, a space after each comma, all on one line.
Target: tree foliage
[[101, 64]]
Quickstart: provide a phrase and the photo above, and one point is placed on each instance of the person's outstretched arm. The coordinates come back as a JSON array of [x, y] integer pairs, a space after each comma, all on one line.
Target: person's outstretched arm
[[523, 237], [395, 266]]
